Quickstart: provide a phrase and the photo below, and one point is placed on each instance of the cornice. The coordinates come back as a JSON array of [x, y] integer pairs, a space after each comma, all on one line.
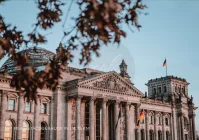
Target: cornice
[[154, 102], [108, 90]]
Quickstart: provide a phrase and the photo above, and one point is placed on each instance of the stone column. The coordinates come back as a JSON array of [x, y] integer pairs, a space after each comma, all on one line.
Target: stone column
[[163, 126], [20, 116], [52, 116], [190, 128], [132, 122], [107, 120], [117, 120], [69, 103], [171, 126], [155, 127], [3, 110], [83, 119], [36, 119], [91, 119], [104, 119], [127, 121], [137, 131], [182, 126], [174, 129], [78, 117], [147, 125], [194, 127]]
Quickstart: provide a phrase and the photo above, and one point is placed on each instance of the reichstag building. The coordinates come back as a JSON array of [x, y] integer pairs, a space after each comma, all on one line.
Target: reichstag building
[[88, 103]]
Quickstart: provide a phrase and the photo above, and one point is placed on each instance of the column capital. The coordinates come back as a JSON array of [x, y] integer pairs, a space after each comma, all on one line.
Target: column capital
[[72, 99], [96, 102], [92, 97], [138, 105], [108, 103], [117, 102], [128, 103], [84, 100], [104, 100], [78, 97]]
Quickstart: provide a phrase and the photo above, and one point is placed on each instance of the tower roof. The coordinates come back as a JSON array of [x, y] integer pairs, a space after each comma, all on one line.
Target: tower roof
[[171, 77]]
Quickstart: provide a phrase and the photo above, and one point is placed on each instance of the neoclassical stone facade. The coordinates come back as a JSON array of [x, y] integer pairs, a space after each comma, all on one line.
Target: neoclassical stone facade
[[87, 104]]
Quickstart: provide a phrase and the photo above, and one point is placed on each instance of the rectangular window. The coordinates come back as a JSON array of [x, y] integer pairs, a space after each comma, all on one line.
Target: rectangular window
[[28, 107], [151, 119], [167, 121], [86, 120], [44, 108], [159, 90], [159, 120], [11, 104], [165, 89]]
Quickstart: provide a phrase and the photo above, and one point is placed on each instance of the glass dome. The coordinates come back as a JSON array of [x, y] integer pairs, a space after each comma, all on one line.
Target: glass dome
[[39, 57]]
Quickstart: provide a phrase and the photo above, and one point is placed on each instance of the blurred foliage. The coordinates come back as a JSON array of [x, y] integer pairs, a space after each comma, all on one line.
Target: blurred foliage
[[98, 23]]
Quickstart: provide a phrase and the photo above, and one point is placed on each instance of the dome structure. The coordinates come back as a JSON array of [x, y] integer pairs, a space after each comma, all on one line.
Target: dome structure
[[39, 57]]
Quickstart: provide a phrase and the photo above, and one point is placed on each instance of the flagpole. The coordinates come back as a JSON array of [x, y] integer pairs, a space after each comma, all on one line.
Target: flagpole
[[166, 70]]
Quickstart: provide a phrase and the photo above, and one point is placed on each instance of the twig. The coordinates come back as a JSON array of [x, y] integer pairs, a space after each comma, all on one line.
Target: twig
[[67, 13]]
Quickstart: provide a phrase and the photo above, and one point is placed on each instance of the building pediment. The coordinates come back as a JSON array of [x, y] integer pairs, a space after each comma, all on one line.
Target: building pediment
[[109, 82]]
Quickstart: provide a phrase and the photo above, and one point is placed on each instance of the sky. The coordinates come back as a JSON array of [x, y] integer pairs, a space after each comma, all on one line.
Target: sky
[[170, 30]]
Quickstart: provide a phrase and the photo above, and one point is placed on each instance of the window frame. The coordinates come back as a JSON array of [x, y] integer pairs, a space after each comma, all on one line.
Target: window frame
[[167, 122], [159, 90], [43, 131], [45, 104], [10, 128], [159, 120], [30, 106], [13, 104], [165, 89]]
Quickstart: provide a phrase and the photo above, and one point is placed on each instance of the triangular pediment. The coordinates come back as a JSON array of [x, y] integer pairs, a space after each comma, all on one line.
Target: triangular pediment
[[109, 82]]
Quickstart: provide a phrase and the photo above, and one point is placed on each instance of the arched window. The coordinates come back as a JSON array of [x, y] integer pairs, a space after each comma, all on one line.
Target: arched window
[[43, 131], [26, 131], [151, 134], [8, 132], [167, 135], [159, 135], [142, 134]]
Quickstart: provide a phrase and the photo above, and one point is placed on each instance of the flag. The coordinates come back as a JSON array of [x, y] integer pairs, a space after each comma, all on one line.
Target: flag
[[141, 117], [119, 116], [165, 63]]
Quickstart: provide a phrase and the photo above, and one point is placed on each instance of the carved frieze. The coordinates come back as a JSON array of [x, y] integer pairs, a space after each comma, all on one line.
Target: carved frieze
[[111, 82]]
